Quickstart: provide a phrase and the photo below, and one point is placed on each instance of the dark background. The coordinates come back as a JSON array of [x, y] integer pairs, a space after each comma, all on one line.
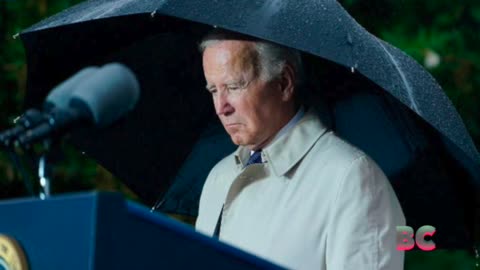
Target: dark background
[[441, 35]]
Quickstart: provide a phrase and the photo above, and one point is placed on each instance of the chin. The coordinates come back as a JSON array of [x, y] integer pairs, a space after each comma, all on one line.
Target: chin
[[237, 140]]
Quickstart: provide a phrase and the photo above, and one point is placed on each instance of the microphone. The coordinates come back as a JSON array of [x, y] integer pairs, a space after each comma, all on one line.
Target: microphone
[[29, 119], [59, 97], [108, 95], [99, 100]]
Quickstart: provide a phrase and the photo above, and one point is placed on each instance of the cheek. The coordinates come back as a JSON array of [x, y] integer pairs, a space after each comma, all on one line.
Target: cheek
[[245, 111], [251, 111], [253, 121]]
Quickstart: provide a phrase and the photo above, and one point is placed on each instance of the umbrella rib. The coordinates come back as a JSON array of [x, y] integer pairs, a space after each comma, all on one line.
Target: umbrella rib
[[101, 12], [404, 79]]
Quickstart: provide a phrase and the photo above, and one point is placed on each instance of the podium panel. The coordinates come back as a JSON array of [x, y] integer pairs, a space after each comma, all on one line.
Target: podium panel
[[101, 230]]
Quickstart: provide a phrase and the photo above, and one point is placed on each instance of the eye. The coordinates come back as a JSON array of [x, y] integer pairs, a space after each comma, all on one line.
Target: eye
[[233, 88], [236, 86], [212, 90]]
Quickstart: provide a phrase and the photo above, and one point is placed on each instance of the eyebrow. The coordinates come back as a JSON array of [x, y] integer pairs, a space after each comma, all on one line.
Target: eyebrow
[[236, 83], [239, 82]]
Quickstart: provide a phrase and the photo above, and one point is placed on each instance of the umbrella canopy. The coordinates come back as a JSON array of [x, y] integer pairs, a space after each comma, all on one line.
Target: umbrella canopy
[[152, 147]]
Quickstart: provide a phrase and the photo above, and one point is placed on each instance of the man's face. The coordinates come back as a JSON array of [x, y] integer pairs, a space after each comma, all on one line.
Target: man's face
[[249, 108]]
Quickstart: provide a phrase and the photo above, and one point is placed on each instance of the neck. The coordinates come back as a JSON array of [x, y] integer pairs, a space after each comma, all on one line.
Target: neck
[[283, 121]]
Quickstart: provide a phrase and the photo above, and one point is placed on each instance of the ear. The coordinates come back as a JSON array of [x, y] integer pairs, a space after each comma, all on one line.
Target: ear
[[287, 82]]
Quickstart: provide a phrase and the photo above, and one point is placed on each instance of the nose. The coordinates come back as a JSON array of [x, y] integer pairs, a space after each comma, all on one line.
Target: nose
[[222, 104]]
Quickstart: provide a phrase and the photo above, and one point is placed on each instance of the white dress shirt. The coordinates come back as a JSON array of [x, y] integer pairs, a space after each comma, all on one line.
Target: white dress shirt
[[315, 203]]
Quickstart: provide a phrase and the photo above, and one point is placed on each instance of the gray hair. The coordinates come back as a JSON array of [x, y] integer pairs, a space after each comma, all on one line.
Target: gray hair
[[272, 57]]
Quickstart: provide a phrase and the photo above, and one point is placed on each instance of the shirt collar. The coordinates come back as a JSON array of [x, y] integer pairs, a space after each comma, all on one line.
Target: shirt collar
[[286, 151], [288, 126]]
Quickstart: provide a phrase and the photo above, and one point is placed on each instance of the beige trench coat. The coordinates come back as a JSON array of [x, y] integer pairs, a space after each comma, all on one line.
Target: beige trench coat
[[315, 203]]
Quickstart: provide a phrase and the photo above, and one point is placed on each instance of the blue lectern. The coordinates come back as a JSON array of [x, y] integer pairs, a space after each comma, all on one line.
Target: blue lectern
[[103, 231]]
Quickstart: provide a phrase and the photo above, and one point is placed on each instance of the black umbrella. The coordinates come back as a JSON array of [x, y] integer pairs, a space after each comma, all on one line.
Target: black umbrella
[[423, 141]]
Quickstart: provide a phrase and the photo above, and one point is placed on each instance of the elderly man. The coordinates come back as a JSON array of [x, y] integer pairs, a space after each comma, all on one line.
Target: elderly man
[[293, 192]]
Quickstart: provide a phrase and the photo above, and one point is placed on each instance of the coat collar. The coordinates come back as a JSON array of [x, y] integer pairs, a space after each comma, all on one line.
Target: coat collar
[[287, 150]]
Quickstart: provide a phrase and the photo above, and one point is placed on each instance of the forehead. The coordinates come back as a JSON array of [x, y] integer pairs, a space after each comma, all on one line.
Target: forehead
[[234, 55]]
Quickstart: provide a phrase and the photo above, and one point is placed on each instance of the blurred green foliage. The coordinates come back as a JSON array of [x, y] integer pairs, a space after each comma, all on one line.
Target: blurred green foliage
[[441, 35], [73, 171]]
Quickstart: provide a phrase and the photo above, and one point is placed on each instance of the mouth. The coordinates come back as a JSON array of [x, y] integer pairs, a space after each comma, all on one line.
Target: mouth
[[232, 125]]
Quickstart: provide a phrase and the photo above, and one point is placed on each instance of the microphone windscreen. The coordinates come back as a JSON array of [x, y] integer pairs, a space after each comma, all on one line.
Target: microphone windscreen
[[60, 96], [108, 94]]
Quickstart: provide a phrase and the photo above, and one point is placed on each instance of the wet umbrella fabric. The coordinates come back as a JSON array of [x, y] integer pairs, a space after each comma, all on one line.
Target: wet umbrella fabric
[[157, 39], [322, 28]]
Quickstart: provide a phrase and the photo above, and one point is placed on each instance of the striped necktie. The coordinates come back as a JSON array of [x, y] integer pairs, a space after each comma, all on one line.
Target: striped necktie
[[256, 157]]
